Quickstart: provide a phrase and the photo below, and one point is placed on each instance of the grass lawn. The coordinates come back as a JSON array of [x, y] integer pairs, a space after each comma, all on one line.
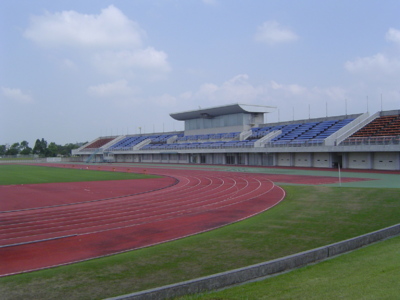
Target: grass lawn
[[25, 174], [16, 158], [309, 217], [372, 272]]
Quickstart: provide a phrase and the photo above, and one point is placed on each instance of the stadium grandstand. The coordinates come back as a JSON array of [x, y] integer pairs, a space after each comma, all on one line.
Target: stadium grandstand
[[237, 135]]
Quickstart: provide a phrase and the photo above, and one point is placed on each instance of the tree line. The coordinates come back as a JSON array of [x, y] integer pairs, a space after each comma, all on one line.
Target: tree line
[[41, 148]]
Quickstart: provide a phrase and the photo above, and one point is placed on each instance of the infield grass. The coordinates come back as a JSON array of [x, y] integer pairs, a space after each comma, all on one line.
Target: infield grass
[[372, 272], [309, 217], [25, 174], [4, 159]]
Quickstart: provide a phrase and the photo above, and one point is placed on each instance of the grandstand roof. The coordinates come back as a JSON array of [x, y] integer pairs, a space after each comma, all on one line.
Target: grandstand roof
[[212, 112]]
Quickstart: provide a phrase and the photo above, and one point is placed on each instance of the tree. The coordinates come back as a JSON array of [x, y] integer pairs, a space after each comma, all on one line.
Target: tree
[[2, 149], [24, 144], [25, 149], [67, 148], [16, 146], [52, 150], [14, 149], [40, 147]]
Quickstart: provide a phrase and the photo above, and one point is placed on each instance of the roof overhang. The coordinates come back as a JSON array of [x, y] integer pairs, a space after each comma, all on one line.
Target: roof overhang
[[209, 113]]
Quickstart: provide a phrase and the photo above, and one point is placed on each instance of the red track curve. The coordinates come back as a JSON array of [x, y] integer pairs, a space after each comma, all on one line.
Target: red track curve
[[39, 238]]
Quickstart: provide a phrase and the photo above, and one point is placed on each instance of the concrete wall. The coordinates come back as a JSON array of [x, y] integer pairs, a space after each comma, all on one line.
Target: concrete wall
[[359, 160], [183, 158], [173, 158], [53, 159], [272, 267], [321, 160], [387, 160], [255, 159], [303, 159], [284, 159], [227, 129], [350, 160], [164, 158]]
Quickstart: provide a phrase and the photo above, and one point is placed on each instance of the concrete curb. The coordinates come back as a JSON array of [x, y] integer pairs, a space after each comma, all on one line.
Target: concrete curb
[[237, 276]]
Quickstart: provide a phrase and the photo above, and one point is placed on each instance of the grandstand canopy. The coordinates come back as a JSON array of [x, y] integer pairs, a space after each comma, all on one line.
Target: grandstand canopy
[[209, 113]]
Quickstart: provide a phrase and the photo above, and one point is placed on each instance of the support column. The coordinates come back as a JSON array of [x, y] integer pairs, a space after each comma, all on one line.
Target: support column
[[292, 159]]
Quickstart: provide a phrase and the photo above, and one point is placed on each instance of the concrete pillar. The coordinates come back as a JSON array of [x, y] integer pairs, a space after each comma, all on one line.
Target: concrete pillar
[[371, 160], [292, 159]]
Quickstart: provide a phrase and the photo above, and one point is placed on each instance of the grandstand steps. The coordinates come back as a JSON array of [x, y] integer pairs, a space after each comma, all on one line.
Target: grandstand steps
[[172, 139], [89, 159], [261, 142], [141, 144], [245, 134], [349, 129]]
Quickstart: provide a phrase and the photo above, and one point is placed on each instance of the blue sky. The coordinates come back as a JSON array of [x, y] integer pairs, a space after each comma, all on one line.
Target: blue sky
[[71, 71]]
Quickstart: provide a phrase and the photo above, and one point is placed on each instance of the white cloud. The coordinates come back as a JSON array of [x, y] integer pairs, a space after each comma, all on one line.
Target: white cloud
[[282, 93], [115, 89], [127, 62], [382, 67], [376, 63], [293, 89], [110, 29], [377, 75], [288, 98], [234, 90], [165, 100], [68, 64], [16, 95], [271, 32], [298, 101], [110, 41], [393, 35]]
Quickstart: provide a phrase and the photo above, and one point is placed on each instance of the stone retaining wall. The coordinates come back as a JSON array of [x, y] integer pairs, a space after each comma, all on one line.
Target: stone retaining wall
[[229, 278]]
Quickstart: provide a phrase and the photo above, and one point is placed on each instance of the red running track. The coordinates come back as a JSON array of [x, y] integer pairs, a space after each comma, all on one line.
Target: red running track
[[39, 238]]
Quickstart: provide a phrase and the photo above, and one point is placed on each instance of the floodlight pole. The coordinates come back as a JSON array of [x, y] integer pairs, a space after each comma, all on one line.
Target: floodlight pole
[[326, 108]]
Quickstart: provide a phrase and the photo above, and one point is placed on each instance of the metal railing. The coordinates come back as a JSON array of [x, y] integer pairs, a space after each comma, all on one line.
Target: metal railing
[[195, 147], [295, 143], [376, 140]]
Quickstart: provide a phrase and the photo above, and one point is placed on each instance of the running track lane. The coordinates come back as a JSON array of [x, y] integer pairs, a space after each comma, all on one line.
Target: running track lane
[[201, 201]]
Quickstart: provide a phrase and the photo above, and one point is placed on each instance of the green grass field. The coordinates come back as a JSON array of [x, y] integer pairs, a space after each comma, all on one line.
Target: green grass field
[[17, 158], [309, 217], [372, 272], [25, 174]]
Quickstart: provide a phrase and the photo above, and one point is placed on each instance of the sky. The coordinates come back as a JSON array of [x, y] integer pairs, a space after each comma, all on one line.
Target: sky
[[71, 71]]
